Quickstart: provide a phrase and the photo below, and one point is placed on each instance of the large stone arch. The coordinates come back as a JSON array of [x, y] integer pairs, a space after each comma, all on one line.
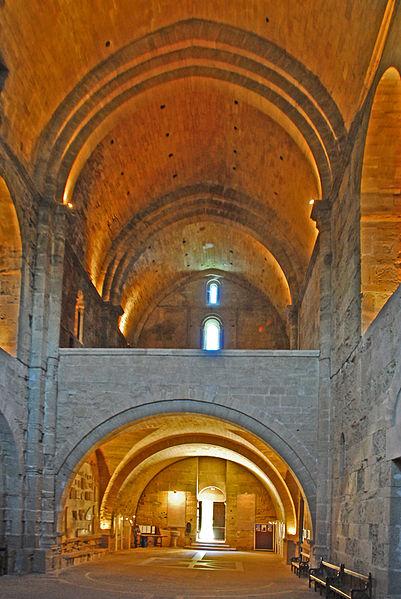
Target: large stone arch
[[221, 204], [270, 72], [296, 456], [10, 271], [380, 183]]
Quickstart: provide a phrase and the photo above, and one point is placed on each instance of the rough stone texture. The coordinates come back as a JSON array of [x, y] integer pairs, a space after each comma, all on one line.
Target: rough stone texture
[[13, 417], [10, 271], [109, 388], [222, 118], [13, 377], [308, 311], [381, 199], [182, 476], [249, 320], [100, 328], [366, 501]]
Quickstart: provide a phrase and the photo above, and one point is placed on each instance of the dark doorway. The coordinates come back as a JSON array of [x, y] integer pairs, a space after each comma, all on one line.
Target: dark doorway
[[264, 536], [219, 520]]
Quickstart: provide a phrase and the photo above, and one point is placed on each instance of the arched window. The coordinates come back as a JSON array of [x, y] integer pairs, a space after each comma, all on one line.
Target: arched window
[[213, 293], [79, 317], [212, 334]]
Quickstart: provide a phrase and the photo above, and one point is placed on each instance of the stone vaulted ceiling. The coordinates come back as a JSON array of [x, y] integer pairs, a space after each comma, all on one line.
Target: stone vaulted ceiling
[[186, 135]]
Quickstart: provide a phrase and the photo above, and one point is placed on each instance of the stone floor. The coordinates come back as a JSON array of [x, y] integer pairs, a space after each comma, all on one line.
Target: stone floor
[[165, 574]]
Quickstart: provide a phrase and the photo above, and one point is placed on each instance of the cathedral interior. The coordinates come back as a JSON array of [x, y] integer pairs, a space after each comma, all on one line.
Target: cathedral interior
[[200, 267]]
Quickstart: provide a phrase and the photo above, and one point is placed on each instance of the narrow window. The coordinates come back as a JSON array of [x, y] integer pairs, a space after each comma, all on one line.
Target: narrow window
[[79, 317], [212, 334], [213, 293], [342, 454]]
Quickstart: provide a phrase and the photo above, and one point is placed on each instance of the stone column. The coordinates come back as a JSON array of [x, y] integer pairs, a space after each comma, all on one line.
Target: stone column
[[48, 274], [292, 326], [322, 542]]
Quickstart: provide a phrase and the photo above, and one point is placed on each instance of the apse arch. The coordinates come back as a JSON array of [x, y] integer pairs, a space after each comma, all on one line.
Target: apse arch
[[181, 446], [10, 271], [380, 224], [277, 326], [192, 450], [230, 206], [144, 284], [299, 460]]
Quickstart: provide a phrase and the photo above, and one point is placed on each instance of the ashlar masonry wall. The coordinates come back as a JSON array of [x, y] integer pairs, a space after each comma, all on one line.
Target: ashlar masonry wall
[[271, 393], [367, 476]]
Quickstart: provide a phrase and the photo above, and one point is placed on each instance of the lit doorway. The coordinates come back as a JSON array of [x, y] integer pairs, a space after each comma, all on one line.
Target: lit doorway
[[211, 520]]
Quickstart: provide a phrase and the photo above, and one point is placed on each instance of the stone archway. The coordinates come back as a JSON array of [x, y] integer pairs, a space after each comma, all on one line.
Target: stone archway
[[159, 454], [380, 185], [10, 498], [10, 271]]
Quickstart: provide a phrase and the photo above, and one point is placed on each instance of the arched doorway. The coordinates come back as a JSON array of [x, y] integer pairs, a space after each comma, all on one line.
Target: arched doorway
[[211, 517], [10, 271]]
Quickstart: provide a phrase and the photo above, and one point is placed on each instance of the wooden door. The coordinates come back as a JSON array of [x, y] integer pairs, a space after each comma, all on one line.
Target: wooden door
[[264, 536]]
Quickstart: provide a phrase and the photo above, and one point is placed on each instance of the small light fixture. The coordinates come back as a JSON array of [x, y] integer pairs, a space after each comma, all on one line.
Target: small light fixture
[[311, 202], [69, 205]]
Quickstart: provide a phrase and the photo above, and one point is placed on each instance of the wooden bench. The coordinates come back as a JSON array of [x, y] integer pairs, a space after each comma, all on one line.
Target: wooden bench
[[352, 585], [300, 564], [71, 558], [323, 576], [77, 550]]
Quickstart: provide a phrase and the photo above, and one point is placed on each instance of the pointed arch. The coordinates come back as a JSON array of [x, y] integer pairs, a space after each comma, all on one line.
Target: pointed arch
[[380, 199], [10, 271]]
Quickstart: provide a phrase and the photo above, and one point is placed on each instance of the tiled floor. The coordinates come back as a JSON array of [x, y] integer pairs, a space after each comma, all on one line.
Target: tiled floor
[[165, 574]]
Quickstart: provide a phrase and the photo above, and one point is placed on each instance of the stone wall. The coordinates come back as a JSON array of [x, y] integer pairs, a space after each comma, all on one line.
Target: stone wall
[[271, 393], [366, 503], [366, 379], [232, 478], [309, 308], [13, 378], [12, 430], [249, 319], [100, 319]]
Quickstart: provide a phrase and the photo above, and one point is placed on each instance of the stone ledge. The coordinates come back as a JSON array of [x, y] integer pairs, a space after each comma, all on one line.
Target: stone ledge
[[226, 353]]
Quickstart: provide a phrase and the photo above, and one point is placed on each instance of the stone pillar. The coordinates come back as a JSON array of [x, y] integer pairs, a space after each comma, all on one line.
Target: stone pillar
[[292, 325], [111, 316], [322, 542], [48, 275]]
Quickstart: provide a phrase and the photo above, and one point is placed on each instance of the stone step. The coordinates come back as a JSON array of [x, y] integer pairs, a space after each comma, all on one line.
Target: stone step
[[210, 546]]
